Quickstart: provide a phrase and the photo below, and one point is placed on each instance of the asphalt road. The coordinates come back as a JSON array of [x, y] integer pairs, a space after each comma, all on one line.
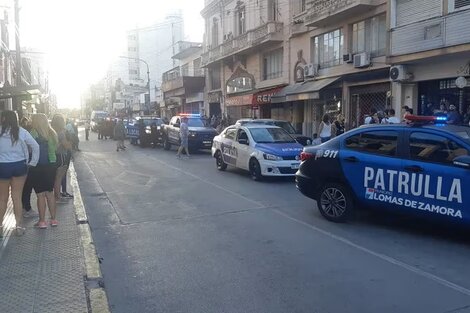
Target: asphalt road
[[180, 236]]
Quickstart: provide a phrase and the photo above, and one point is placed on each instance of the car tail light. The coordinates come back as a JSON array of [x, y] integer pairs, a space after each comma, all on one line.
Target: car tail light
[[304, 156]]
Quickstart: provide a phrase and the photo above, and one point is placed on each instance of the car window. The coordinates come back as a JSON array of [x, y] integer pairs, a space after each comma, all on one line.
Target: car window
[[434, 148], [195, 122], [242, 134], [271, 135], [230, 133], [376, 142]]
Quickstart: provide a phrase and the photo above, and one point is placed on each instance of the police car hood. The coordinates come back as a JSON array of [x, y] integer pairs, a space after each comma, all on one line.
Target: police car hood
[[202, 129], [280, 149]]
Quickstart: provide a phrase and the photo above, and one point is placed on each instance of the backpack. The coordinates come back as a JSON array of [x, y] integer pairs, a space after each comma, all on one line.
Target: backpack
[[43, 150]]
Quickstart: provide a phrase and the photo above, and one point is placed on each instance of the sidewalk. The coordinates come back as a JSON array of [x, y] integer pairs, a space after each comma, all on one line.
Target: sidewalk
[[44, 270]]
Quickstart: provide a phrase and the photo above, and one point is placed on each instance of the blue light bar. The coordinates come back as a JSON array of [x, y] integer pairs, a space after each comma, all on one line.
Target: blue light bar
[[441, 118]]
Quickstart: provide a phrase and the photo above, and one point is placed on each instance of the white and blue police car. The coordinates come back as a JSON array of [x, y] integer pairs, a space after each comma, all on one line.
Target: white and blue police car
[[263, 150], [420, 168]]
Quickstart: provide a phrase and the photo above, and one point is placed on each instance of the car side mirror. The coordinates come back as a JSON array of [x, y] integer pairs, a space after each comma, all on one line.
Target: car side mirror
[[462, 161], [243, 141]]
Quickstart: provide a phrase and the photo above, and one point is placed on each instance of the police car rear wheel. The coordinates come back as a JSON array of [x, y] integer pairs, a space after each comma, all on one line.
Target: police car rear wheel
[[221, 165], [335, 203], [255, 170]]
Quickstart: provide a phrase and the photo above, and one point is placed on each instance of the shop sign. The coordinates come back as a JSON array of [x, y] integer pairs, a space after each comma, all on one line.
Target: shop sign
[[264, 97], [118, 105], [239, 100]]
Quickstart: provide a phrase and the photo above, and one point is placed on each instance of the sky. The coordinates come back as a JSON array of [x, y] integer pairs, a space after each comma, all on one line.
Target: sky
[[81, 38]]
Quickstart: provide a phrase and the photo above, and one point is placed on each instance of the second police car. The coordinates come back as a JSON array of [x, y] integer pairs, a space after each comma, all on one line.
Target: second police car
[[417, 168], [263, 150]]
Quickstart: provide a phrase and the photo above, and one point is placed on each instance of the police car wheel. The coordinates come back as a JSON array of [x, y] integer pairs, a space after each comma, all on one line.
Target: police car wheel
[[335, 203], [166, 144], [221, 165], [255, 170]]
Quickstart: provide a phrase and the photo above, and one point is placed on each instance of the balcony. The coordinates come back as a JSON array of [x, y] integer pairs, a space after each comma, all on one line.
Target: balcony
[[184, 79], [267, 33], [327, 12]]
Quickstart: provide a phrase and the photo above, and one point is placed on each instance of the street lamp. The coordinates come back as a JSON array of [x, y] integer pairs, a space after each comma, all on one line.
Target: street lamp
[[148, 76]]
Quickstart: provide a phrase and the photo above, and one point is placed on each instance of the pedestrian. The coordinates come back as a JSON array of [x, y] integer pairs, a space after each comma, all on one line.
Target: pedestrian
[[100, 127], [120, 135], [372, 118], [27, 188], [391, 118], [408, 111], [453, 116], [43, 176], [325, 129], [184, 134], [14, 155], [339, 125], [72, 134], [63, 152], [87, 130], [315, 140]]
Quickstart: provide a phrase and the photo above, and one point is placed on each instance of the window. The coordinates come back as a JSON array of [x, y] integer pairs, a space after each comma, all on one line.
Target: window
[[376, 142], [215, 33], [132, 49], [272, 10], [214, 77], [434, 148], [272, 64], [230, 133], [241, 21], [133, 72], [328, 49], [299, 6], [197, 67], [185, 70], [370, 36], [455, 5], [242, 134]]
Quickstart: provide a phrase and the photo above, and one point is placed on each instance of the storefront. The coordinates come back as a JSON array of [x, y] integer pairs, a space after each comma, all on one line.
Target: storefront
[[432, 94], [194, 104], [214, 100], [365, 97], [241, 107]]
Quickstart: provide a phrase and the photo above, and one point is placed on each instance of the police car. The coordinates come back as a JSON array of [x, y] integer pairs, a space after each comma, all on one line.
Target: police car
[[263, 150], [418, 168]]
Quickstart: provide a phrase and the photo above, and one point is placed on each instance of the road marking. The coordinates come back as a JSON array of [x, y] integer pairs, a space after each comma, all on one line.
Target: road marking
[[381, 256], [261, 205]]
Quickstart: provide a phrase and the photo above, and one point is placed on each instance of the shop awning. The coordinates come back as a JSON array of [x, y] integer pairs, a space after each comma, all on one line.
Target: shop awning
[[18, 91], [309, 90]]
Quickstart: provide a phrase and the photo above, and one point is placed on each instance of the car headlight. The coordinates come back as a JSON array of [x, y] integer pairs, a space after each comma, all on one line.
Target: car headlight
[[158, 128], [272, 157], [148, 131]]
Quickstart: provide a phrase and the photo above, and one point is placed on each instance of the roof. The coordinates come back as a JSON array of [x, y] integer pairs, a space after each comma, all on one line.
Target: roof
[[258, 126]]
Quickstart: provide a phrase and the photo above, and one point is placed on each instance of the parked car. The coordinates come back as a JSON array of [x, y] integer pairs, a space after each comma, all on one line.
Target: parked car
[[145, 131]]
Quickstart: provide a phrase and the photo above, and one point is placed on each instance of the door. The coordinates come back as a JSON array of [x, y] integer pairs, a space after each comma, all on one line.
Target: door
[[174, 133], [436, 185], [371, 164], [228, 146], [243, 149]]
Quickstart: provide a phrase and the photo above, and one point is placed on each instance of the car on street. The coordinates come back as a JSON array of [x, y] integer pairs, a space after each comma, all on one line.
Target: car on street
[[145, 131], [287, 126], [96, 117], [200, 134], [263, 150], [419, 168]]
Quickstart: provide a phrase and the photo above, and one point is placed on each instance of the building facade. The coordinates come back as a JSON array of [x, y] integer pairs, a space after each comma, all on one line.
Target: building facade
[[183, 85], [430, 54]]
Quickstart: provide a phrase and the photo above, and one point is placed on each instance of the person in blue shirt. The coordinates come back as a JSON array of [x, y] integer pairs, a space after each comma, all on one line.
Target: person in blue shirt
[[184, 134]]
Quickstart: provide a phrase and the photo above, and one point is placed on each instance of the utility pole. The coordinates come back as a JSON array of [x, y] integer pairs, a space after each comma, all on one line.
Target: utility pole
[[19, 72]]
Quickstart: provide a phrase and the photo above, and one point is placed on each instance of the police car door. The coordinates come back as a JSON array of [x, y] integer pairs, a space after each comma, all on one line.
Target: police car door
[[228, 146], [242, 145], [436, 184], [174, 132], [370, 162]]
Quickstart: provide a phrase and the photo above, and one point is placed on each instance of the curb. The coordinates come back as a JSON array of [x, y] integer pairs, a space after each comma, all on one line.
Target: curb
[[98, 301]]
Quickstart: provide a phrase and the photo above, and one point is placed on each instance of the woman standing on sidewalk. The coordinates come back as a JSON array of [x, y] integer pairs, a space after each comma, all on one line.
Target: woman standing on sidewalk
[[14, 156], [63, 153], [42, 177], [120, 135]]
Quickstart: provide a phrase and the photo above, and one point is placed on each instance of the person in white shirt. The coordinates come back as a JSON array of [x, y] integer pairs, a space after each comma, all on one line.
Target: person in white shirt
[[14, 162], [391, 118], [325, 129]]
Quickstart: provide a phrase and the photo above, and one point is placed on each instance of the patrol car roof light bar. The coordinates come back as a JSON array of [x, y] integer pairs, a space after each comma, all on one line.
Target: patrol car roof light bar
[[190, 115], [419, 119]]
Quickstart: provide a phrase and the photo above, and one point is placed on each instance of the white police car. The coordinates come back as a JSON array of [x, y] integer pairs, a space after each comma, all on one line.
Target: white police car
[[263, 150], [418, 168]]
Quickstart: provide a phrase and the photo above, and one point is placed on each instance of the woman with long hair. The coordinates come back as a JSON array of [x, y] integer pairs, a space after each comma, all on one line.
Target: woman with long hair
[[42, 177], [14, 162], [63, 152], [325, 129]]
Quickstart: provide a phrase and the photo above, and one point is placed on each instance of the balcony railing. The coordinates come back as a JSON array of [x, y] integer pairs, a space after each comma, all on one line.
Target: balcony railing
[[178, 72], [324, 12], [271, 31]]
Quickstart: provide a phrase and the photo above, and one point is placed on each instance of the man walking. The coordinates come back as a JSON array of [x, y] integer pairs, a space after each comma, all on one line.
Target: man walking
[[184, 134], [119, 135], [87, 130]]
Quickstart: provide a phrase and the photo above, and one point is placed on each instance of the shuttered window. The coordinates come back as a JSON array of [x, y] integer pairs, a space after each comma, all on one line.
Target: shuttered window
[[455, 5]]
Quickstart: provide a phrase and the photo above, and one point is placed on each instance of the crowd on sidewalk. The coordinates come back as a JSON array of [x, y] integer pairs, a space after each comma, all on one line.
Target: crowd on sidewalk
[[34, 156]]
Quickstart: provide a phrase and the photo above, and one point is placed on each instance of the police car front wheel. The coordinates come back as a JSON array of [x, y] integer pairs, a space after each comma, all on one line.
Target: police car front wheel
[[221, 165], [255, 170], [335, 203]]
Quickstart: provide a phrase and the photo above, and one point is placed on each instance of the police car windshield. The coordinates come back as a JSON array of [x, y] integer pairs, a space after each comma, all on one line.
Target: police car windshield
[[195, 122], [286, 126], [149, 122], [271, 135]]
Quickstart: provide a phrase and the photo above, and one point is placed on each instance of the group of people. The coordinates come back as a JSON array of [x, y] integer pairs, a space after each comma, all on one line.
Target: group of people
[[329, 128], [105, 128], [36, 157], [384, 117]]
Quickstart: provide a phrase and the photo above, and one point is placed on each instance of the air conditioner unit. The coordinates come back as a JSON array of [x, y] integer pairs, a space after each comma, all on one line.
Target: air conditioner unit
[[399, 73], [311, 70], [348, 58], [361, 60]]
